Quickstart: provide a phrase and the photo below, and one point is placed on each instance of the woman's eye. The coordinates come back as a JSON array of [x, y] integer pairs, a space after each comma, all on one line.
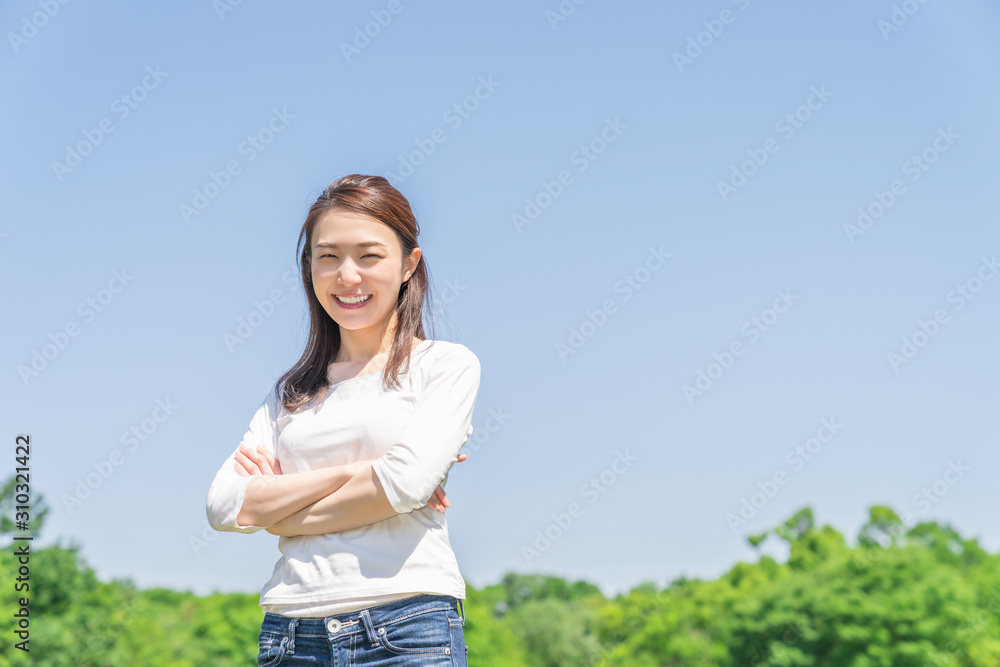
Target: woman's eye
[[335, 257]]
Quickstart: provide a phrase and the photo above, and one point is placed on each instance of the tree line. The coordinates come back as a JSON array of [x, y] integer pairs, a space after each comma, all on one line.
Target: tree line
[[900, 597]]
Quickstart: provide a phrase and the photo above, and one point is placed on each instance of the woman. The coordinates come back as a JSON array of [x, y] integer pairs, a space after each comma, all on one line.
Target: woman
[[346, 458]]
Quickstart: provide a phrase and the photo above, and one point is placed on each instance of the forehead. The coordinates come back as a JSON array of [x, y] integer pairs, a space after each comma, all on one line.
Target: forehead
[[346, 228]]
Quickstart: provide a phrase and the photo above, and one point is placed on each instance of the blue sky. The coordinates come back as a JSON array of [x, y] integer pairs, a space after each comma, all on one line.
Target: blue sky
[[614, 206]]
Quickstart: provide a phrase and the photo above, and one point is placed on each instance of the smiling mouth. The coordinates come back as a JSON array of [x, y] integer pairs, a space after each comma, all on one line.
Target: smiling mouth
[[352, 300]]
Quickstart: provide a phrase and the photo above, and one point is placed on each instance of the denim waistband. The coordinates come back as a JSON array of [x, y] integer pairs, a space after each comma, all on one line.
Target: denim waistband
[[363, 620]]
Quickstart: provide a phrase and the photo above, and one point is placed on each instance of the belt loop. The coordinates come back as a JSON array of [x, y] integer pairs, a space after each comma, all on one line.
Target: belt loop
[[462, 607], [369, 628], [291, 635]]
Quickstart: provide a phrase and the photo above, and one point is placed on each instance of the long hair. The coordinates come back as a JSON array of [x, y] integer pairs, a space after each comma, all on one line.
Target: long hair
[[375, 198]]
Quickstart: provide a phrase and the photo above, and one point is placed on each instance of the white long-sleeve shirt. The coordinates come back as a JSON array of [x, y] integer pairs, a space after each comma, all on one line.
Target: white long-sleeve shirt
[[415, 433]]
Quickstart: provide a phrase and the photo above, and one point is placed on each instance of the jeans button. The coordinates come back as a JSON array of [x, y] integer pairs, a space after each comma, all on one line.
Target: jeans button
[[333, 625]]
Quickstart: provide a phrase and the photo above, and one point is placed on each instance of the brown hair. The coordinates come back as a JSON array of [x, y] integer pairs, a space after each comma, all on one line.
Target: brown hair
[[372, 197]]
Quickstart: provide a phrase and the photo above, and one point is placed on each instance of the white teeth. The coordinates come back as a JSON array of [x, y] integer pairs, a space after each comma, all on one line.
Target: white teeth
[[353, 300]]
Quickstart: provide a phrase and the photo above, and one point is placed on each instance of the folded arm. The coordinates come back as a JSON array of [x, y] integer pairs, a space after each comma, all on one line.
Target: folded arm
[[270, 498], [246, 502], [411, 473], [359, 502]]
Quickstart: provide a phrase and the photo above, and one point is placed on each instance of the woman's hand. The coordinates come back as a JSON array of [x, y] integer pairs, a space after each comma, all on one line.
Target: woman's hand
[[255, 462], [439, 501]]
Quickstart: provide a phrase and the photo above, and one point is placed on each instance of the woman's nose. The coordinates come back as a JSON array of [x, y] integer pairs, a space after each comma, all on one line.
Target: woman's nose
[[347, 273]]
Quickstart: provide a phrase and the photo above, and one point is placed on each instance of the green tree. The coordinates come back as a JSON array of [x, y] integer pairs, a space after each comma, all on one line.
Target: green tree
[[900, 598]]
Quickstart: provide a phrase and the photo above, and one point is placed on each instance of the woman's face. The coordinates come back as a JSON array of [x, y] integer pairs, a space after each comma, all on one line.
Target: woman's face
[[356, 256]]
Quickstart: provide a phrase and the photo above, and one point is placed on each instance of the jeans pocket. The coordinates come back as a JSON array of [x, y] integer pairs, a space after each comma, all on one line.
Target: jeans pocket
[[270, 648], [424, 633]]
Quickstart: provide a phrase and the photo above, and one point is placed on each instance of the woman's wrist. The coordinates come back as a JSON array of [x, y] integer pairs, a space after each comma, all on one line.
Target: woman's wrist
[[361, 466], [344, 472]]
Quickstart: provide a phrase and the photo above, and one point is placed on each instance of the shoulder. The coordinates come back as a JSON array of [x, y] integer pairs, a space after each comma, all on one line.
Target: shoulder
[[275, 400], [445, 355], [446, 350]]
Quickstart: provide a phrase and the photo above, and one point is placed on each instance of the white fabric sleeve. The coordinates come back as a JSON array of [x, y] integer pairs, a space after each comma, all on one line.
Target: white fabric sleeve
[[225, 496], [432, 437]]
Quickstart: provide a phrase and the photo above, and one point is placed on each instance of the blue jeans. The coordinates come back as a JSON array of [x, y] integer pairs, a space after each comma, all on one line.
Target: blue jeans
[[420, 630]]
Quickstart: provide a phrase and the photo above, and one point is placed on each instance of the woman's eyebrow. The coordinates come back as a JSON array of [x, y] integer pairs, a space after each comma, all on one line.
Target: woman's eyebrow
[[363, 244]]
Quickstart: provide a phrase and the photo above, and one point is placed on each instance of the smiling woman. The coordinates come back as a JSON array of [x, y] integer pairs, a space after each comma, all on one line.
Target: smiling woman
[[347, 456], [337, 267]]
